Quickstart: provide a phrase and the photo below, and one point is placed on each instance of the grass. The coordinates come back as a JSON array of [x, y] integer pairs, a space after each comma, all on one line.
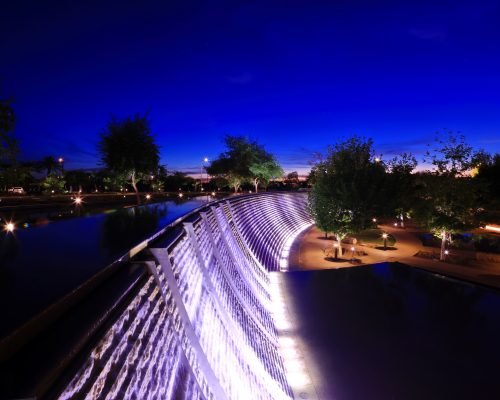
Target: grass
[[374, 236]]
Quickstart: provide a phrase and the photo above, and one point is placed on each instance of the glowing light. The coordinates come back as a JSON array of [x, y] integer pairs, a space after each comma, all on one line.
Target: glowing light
[[494, 228], [208, 318], [395, 224], [148, 196], [377, 159], [352, 248], [374, 219], [9, 227], [213, 193], [78, 200], [61, 160], [205, 159], [384, 235], [446, 252], [335, 245]]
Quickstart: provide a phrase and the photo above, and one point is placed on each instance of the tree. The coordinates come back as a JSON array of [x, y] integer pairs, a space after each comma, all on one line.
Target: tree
[[448, 196], [53, 184], [240, 158], [488, 173], [178, 181], [346, 190], [128, 147], [48, 164], [264, 171], [399, 187]]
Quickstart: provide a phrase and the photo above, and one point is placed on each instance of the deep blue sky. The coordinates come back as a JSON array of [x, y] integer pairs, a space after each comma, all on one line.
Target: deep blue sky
[[293, 75]]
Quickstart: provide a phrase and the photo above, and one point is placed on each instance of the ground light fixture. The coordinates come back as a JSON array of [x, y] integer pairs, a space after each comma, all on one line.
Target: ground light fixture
[[78, 201], [9, 227], [384, 236], [181, 195], [148, 196]]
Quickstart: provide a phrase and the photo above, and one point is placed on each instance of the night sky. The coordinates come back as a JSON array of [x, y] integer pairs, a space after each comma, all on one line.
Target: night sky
[[293, 75]]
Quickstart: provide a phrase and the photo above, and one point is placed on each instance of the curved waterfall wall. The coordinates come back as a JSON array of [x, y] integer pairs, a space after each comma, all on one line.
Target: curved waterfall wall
[[202, 326]]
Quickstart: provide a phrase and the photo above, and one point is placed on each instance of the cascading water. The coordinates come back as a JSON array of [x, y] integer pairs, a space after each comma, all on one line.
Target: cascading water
[[202, 326]]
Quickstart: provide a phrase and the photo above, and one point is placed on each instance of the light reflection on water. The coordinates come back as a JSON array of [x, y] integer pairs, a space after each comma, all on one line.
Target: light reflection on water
[[41, 263]]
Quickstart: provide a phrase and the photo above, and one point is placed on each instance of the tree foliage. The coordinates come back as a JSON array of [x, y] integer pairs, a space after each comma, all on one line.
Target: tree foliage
[[244, 161], [346, 193], [448, 194], [127, 146]]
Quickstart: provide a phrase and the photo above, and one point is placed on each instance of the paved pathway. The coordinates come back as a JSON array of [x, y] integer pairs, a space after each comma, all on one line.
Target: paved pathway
[[307, 253]]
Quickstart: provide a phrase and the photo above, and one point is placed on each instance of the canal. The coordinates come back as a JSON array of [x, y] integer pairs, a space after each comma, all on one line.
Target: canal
[[43, 259]]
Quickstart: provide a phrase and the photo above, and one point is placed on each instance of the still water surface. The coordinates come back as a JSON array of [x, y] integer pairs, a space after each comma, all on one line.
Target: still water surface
[[42, 263], [391, 331]]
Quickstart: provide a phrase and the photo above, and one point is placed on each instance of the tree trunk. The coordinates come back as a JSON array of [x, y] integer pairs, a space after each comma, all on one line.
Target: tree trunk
[[339, 243], [256, 184], [134, 185], [443, 245]]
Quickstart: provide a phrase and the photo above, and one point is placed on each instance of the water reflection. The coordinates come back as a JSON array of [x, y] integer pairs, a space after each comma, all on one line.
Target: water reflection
[[123, 227], [395, 332], [39, 264]]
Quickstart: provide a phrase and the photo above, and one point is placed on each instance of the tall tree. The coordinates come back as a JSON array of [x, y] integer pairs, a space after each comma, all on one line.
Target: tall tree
[[346, 191], [48, 164], [449, 195], [399, 186], [127, 146]]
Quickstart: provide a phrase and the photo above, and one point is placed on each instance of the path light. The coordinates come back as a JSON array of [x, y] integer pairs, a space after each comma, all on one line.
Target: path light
[[148, 196], [396, 224], [181, 195], [78, 200], [9, 227], [446, 252], [374, 220], [384, 236], [213, 194]]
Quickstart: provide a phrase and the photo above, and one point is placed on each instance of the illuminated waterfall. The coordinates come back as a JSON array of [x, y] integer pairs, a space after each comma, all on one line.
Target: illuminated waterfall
[[202, 326]]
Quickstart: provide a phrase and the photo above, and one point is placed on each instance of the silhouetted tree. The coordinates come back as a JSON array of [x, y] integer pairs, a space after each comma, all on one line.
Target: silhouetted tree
[[128, 147], [244, 161]]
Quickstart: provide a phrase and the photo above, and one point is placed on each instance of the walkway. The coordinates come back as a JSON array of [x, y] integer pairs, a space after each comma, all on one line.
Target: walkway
[[307, 253]]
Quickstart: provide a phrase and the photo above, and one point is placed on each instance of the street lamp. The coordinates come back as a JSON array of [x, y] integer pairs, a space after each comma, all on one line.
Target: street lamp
[[384, 236], [205, 160], [60, 160]]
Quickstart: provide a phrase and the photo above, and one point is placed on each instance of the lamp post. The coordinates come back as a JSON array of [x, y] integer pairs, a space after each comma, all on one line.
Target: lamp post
[[384, 236], [336, 248], [60, 160], [205, 160]]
